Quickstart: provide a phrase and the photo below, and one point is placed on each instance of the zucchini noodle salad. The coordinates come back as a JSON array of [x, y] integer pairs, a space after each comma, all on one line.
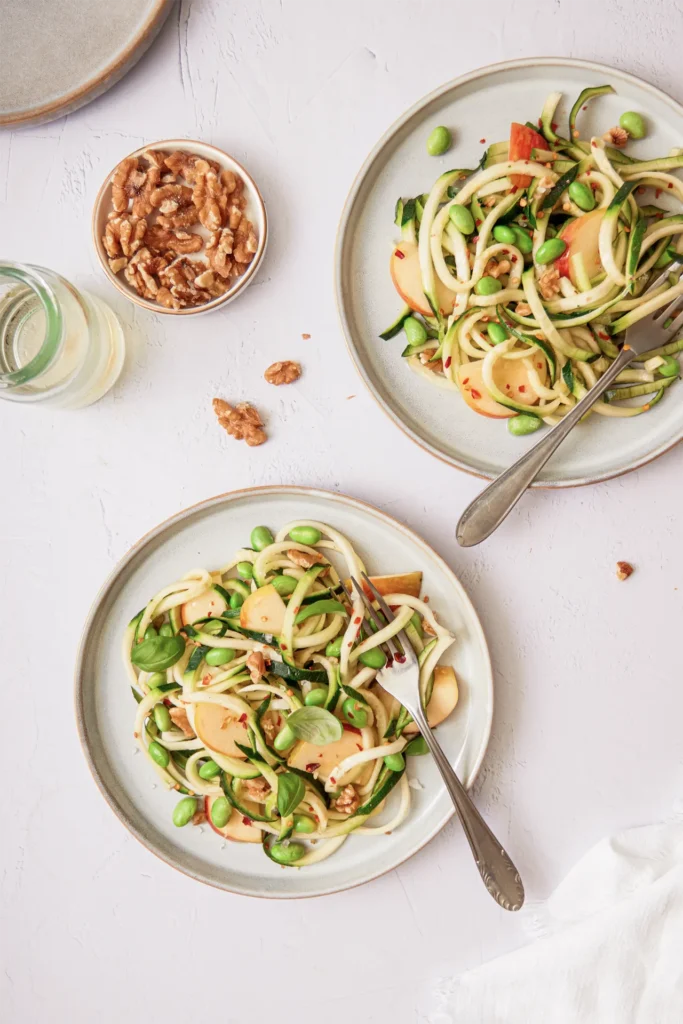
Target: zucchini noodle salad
[[257, 697], [520, 276]]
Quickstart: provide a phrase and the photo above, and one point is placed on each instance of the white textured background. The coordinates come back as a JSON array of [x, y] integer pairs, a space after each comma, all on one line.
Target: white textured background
[[587, 733]]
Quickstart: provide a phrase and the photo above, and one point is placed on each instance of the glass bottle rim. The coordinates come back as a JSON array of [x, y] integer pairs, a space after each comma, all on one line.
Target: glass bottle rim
[[33, 277]]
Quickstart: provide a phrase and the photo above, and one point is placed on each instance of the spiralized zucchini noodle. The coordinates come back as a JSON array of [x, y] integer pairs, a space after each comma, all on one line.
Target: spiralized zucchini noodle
[[521, 276], [258, 699]]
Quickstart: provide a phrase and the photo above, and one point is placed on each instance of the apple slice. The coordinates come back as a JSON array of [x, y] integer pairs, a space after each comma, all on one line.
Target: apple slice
[[471, 384], [237, 828], [407, 278], [581, 235], [403, 583], [263, 611], [219, 729], [442, 701], [522, 140], [210, 603], [320, 760]]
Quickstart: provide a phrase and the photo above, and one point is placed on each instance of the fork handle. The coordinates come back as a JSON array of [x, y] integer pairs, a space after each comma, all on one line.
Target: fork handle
[[490, 508], [499, 874]]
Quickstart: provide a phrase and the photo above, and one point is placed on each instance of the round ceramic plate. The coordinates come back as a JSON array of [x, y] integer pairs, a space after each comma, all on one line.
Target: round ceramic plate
[[478, 107], [56, 56], [207, 535]]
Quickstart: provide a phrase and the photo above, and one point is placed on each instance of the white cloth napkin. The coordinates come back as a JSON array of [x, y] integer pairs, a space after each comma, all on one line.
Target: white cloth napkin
[[611, 950]]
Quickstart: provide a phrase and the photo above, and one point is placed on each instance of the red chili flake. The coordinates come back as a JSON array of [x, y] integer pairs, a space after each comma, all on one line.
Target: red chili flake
[[539, 366], [448, 362], [283, 647], [426, 599], [359, 746], [541, 215], [350, 643], [507, 387], [247, 821], [658, 193], [513, 259], [670, 185], [527, 161], [522, 388], [243, 718], [136, 734], [605, 337], [514, 189], [351, 728], [400, 658], [475, 393], [482, 141], [356, 621], [399, 255], [553, 125], [584, 108], [539, 123], [593, 143], [312, 766], [333, 781], [466, 380]]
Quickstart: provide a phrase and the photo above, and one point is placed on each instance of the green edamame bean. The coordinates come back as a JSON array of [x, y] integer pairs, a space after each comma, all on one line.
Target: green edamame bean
[[633, 124], [245, 570], [439, 141], [333, 649], [462, 218], [305, 535], [523, 424], [209, 770], [219, 656], [162, 717], [395, 762], [184, 811], [159, 754], [416, 747], [670, 367], [487, 286], [316, 698], [374, 658], [302, 823], [550, 250], [284, 584], [497, 333], [261, 537], [355, 713], [284, 739], [236, 600], [522, 240], [415, 332], [664, 259], [150, 633], [156, 679], [287, 854], [582, 195], [505, 234], [220, 812]]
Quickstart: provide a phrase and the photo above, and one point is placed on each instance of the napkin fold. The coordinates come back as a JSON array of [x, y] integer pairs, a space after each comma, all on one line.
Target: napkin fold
[[610, 949]]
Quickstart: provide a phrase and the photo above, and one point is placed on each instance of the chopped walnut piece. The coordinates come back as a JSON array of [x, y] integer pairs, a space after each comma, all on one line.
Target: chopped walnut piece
[[494, 268], [269, 727], [199, 817], [549, 283], [283, 373], [130, 181], [523, 309], [231, 183], [304, 558], [246, 242], [435, 365], [209, 196], [165, 297], [348, 800], [256, 789], [256, 666], [142, 270], [616, 136], [212, 283], [118, 264], [242, 422], [624, 570], [179, 718], [219, 251], [156, 157], [183, 164], [123, 236], [180, 278], [180, 242]]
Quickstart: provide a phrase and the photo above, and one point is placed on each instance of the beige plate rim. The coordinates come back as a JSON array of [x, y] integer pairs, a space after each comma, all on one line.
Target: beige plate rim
[[219, 155], [107, 78], [342, 244], [176, 520]]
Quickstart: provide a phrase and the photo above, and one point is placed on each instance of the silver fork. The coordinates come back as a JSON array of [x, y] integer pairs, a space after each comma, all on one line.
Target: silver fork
[[490, 508], [400, 677]]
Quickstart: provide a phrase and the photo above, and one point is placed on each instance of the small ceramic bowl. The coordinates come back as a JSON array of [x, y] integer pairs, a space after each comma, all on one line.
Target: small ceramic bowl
[[255, 211]]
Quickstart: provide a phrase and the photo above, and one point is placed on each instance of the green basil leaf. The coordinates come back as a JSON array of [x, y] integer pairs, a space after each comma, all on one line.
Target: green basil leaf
[[315, 725], [157, 653], [290, 793], [320, 607]]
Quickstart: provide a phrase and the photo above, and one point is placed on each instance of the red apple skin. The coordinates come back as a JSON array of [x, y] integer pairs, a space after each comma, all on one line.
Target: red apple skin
[[581, 235], [522, 140]]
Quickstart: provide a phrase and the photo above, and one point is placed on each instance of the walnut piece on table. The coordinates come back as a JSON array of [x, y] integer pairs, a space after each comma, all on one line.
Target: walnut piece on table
[[285, 372], [624, 570], [241, 421]]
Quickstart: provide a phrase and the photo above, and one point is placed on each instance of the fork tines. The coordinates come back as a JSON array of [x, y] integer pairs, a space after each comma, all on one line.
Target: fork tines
[[390, 647]]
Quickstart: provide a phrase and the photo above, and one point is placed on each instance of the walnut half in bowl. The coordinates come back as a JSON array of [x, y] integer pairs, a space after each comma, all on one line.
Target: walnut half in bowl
[[180, 227]]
